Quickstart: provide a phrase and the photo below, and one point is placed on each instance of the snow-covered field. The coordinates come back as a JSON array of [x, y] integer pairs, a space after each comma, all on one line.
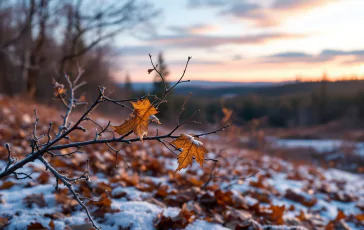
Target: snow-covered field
[[247, 189], [321, 145], [298, 195]]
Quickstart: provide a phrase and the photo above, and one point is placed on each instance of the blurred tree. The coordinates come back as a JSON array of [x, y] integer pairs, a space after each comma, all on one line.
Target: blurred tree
[[158, 81], [323, 99], [128, 85], [159, 85], [31, 50]]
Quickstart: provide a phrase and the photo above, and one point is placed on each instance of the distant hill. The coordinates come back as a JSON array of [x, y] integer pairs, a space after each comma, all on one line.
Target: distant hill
[[147, 86], [285, 88], [230, 89]]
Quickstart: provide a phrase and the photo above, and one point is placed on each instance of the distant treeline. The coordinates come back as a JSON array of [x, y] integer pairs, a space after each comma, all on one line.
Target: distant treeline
[[296, 104]]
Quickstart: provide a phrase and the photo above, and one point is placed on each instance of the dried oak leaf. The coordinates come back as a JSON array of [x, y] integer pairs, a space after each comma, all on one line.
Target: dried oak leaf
[[87, 226], [307, 201], [104, 201], [7, 185], [224, 198], [4, 222], [37, 199], [301, 216], [180, 221], [151, 70], [143, 112], [58, 88], [275, 214], [190, 148], [360, 217], [36, 225], [340, 215], [51, 225], [43, 178]]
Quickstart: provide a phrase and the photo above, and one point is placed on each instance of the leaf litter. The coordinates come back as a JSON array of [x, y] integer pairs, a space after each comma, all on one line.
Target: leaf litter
[[151, 195]]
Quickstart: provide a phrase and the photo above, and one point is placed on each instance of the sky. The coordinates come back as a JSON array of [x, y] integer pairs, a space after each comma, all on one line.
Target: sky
[[248, 40]]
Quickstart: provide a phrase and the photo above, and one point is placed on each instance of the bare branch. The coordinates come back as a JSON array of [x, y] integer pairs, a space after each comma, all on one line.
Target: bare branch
[[235, 181], [35, 124], [69, 186], [211, 177], [215, 131], [117, 152], [51, 146], [166, 91], [11, 160]]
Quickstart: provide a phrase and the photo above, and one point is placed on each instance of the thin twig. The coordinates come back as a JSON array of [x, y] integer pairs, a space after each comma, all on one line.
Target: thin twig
[[70, 188]]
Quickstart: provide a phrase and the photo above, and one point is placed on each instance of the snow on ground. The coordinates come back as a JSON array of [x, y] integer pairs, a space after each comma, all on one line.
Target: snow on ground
[[135, 211], [320, 146], [150, 195]]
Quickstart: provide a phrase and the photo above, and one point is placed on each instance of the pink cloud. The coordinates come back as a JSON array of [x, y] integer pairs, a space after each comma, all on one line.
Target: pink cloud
[[203, 41], [280, 11]]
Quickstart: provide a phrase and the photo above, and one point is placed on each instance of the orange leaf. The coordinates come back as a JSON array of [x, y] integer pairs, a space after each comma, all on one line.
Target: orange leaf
[[227, 115], [340, 215], [125, 127], [3, 222], [277, 213], [7, 185], [360, 217], [51, 225], [224, 198], [301, 216], [143, 112], [330, 226], [190, 148], [35, 226], [58, 88]]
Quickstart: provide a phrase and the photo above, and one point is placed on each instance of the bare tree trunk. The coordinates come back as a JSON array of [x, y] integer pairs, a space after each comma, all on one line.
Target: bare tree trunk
[[32, 78], [24, 73], [33, 73], [5, 84]]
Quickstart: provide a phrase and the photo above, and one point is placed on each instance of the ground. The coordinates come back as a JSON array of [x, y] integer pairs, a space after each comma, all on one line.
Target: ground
[[245, 189]]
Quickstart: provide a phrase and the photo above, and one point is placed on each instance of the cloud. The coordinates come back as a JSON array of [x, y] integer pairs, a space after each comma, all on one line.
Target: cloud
[[206, 3], [245, 10], [135, 50], [203, 41], [263, 16], [194, 29], [198, 62], [353, 56], [237, 57], [290, 55], [299, 4], [343, 53]]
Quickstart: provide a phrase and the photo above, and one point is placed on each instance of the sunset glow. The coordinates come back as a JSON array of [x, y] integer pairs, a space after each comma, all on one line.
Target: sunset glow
[[242, 40]]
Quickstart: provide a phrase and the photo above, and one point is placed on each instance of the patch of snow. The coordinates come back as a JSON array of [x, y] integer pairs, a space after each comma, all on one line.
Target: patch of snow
[[138, 215], [319, 145], [201, 224], [131, 192]]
